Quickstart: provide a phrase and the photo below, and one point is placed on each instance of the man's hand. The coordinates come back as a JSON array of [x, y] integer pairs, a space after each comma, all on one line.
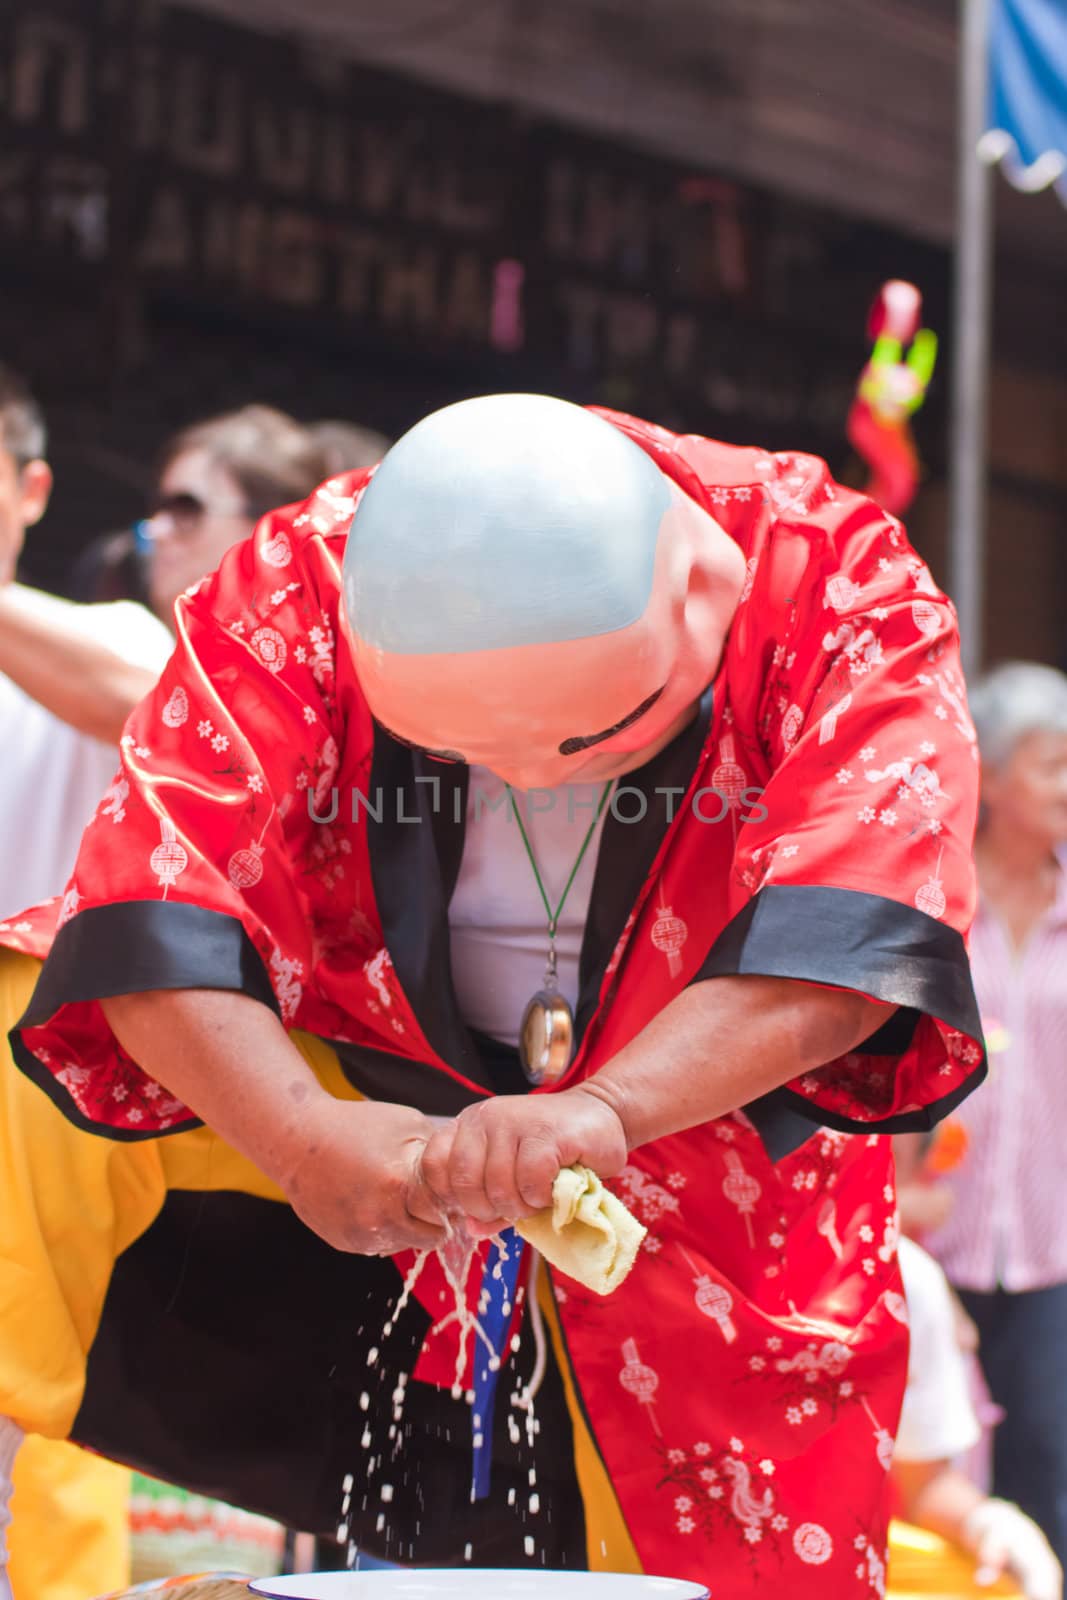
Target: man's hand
[[498, 1160], [347, 1167], [357, 1178]]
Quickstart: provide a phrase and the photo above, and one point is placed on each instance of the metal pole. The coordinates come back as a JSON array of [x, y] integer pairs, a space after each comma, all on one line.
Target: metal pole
[[971, 338]]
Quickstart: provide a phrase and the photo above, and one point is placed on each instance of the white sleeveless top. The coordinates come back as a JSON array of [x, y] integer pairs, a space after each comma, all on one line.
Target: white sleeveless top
[[497, 919]]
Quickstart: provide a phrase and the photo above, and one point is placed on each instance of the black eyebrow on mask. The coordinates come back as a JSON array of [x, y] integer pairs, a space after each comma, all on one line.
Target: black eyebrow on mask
[[583, 741], [409, 744]]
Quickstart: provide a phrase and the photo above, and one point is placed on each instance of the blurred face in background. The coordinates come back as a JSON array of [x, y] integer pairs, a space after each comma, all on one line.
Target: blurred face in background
[[24, 490], [1027, 794], [199, 511]]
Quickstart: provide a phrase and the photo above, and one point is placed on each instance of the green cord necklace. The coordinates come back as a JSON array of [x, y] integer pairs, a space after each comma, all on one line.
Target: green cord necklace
[[546, 1033]]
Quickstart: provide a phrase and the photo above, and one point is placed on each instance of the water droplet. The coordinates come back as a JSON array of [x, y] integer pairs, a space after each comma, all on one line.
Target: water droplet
[[511, 1497], [468, 1551], [364, 1401], [528, 1544], [387, 1491], [372, 1356], [535, 1504]]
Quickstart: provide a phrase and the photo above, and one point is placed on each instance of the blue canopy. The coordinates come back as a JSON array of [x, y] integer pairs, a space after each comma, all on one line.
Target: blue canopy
[[1027, 109]]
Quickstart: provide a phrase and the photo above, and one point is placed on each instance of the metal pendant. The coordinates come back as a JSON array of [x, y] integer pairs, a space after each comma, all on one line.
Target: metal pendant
[[546, 1037]]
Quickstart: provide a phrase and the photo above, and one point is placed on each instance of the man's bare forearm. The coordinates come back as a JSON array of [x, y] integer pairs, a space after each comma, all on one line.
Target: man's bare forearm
[[229, 1059], [347, 1167], [46, 649], [723, 1043]]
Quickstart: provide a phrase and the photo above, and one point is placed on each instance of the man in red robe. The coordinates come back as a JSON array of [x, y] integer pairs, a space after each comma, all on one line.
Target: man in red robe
[[307, 919]]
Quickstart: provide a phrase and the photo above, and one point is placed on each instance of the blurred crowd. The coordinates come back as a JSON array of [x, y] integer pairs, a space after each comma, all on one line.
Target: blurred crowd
[[980, 1465]]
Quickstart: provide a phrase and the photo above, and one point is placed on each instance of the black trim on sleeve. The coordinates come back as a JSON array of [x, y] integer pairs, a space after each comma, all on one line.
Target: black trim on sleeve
[[50, 1085], [848, 939], [127, 948], [919, 1121], [137, 945]]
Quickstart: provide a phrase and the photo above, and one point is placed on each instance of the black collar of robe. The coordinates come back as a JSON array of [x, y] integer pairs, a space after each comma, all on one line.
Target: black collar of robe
[[417, 829]]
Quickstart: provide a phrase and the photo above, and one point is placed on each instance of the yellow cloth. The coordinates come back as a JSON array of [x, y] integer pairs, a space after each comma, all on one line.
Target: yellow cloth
[[924, 1565], [70, 1203], [69, 1535], [587, 1232]]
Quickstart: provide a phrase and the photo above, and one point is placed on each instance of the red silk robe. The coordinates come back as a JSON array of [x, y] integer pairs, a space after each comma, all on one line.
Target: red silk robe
[[743, 1385]]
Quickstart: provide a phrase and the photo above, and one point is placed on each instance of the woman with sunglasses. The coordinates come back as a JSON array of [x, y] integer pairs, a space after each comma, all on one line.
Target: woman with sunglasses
[[215, 480]]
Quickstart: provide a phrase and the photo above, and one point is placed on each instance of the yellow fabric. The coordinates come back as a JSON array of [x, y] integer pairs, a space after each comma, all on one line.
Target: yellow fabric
[[609, 1547], [69, 1537], [70, 1203], [586, 1232], [924, 1565]]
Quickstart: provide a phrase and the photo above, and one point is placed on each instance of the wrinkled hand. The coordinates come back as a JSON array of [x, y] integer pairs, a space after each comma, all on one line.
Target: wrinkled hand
[[498, 1160], [356, 1182], [1003, 1539]]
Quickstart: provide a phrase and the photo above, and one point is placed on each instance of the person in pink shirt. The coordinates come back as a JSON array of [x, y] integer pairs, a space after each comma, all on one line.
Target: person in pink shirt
[[1004, 1245]]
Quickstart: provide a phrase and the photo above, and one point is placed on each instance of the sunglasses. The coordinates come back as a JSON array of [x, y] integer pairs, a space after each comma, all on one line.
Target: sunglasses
[[186, 510]]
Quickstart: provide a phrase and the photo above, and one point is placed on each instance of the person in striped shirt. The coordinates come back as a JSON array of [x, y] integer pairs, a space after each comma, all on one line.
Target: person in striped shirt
[[1004, 1244]]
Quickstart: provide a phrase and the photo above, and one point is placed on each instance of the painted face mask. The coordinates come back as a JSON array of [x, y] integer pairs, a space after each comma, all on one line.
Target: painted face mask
[[526, 591]]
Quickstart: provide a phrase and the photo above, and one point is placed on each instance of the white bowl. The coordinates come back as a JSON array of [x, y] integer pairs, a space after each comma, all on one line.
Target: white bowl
[[477, 1583]]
